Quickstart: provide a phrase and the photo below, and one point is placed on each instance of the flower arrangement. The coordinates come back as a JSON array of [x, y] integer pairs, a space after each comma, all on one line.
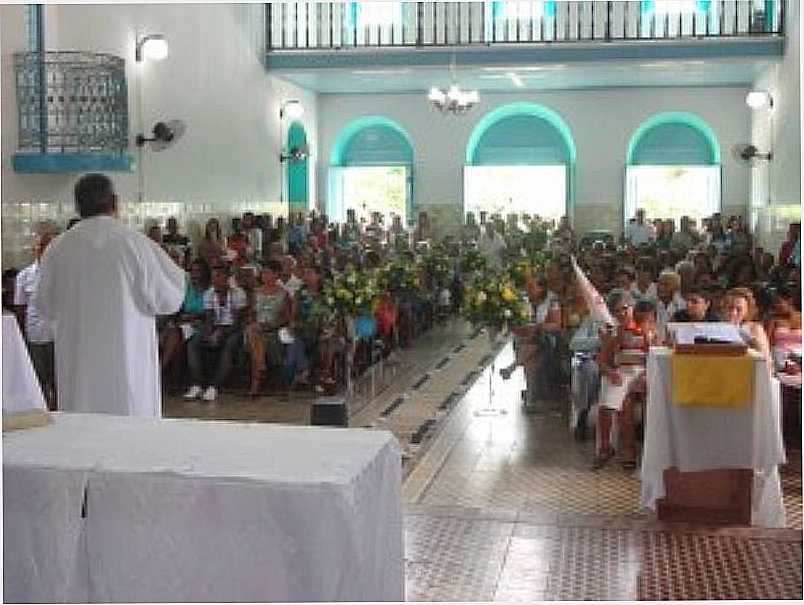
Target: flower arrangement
[[519, 271], [491, 300], [438, 268], [352, 291], [402, 275], [538, 261], [472, 260]]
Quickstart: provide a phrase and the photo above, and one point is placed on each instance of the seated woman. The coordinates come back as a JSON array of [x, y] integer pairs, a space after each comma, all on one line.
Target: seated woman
[[784, 328], [385, 313], [211, 247], [740, 309], [238, 249], [644, 287], [221, 333], [271, 311], [190, 317], [308, 320], [585, 376], [622, 360]]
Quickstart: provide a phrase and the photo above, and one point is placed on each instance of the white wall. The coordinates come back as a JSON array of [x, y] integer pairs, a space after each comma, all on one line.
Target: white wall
[[602, 123], [213, 79], [779, 129], [776, 185]]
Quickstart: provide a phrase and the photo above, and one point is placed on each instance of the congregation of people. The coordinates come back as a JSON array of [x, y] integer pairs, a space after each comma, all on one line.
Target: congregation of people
[[254, 315]]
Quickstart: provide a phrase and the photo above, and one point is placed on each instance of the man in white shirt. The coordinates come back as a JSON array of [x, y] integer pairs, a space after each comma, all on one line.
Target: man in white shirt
[[639, 232], [668, 299], [38, 333], [491, 245], [101, 286]]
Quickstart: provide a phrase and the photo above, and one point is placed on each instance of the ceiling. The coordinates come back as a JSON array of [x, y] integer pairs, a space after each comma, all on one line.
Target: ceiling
[[541, 76]]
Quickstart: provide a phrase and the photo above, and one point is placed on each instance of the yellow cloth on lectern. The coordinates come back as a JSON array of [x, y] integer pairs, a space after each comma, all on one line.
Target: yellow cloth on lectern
[[713, 380]]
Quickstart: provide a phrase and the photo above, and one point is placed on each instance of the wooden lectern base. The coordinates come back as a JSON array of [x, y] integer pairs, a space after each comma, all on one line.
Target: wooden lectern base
[[708, 497]]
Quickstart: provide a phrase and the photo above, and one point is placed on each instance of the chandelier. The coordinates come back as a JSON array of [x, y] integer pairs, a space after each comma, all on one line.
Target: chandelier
[[453, 101]]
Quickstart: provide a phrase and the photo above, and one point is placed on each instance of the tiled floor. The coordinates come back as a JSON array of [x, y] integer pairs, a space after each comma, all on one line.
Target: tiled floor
[[516, 500], [504, 506]]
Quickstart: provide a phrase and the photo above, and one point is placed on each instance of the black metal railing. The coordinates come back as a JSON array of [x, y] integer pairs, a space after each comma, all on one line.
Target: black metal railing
[[342, 25], [71, 102]]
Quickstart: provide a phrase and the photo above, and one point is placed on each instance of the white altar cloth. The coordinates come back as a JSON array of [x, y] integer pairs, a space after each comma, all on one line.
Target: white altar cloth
[[104, 508], [697, 438], [21, 390]]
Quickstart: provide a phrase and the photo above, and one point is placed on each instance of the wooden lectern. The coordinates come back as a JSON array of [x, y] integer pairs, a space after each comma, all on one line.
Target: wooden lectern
[[712, 496]]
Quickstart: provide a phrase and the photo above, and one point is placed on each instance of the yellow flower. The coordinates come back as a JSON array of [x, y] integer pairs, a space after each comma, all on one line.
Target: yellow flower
[[508, 295]]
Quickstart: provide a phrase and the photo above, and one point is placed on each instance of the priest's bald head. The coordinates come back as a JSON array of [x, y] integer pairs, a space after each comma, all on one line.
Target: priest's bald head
[[94, 195]]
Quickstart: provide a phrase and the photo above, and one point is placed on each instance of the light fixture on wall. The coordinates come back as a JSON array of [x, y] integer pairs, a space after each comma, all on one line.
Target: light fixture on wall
[[453, 101], [292, 110], [152, 46], [757, 99], [295, 154]]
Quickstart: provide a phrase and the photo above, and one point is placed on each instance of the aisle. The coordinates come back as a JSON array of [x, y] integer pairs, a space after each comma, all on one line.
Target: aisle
[[513, 513]]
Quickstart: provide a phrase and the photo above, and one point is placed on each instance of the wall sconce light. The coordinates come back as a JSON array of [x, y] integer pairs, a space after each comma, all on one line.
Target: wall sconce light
[[152, 46], [292, 109], [757, 99]]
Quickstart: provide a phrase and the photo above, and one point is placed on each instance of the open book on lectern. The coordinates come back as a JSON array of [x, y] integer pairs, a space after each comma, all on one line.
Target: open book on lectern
[[694, 333]]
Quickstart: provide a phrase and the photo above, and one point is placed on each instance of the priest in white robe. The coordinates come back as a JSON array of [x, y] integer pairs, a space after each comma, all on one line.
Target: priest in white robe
[[101, 287]]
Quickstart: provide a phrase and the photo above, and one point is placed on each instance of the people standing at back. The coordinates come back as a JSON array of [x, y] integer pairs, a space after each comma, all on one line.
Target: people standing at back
[[491, 245], [639, 232], [38, 333]]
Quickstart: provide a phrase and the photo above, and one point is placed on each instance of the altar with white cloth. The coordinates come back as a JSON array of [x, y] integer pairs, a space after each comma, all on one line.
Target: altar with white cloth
[[694, 438], [21, 390], [104, 508]]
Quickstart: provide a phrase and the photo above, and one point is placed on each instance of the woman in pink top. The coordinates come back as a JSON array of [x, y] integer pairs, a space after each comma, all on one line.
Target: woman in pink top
[[784, 326]]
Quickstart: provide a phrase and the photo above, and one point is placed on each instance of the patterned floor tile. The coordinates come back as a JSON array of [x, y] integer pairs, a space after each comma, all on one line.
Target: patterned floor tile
[[690, 566]]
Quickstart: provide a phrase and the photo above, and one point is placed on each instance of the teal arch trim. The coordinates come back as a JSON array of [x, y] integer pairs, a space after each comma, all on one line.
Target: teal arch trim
[[517, 109], [675, 117], [347, 134], [298, 177], [340, 150], [543, 113]]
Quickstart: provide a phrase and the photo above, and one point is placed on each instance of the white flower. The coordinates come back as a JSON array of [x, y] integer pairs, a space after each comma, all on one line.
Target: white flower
[[358, 300], [507, 313], [330, 301], [481, 297]]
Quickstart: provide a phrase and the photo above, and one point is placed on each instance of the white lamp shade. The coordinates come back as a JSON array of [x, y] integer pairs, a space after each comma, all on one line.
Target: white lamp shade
[[155, 48], [756, 99], [293, 110]]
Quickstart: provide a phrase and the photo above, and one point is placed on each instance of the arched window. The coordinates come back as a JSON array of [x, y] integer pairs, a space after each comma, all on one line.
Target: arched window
[[520, 159], [371, 170], [673, 169], [298, 174]]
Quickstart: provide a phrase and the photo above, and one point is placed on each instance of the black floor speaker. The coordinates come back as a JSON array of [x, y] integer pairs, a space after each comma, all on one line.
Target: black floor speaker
[[329, 411]]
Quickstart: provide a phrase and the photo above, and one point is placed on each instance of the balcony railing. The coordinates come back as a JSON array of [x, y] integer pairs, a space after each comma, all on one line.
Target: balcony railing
[[344, 25]]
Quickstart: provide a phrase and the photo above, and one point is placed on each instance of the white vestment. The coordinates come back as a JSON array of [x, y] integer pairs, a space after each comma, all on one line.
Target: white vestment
[[101, 286]]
